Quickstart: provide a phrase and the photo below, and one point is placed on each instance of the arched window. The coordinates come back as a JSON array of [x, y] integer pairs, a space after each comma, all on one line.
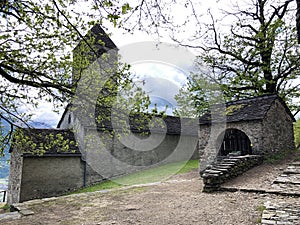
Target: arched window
[[235, 141]]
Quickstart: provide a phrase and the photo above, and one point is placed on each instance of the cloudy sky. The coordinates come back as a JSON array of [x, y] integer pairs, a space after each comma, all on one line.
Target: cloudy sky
[[160, 70], [161, 78], [161, 82]]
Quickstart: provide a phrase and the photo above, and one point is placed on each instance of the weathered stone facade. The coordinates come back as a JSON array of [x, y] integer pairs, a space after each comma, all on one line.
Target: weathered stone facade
[[102, 152], [15, 177], [50, 176], [116, 154], [277, 130], [265, 120], [55, 172], [98, 155]]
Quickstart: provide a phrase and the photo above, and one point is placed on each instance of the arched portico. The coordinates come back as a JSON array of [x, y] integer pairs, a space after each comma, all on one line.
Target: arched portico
[[234, 141]]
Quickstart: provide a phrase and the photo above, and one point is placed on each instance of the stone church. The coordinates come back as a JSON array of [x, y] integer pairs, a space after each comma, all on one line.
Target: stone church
[[44, 167], [96, 151]]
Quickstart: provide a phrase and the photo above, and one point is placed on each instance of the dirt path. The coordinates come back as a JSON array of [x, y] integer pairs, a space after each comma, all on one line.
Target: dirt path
[[176, 201]]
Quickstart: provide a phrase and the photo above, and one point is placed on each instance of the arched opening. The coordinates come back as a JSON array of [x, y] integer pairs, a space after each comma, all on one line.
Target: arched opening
[[235, 142]]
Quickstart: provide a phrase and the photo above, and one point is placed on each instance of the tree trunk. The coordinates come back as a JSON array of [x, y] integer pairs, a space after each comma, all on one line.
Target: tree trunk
[[298, 20]]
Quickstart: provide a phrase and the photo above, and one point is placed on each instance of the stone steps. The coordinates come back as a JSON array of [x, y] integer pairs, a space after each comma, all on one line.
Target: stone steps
[[288, 183], [227, 168], [289, 180], [282, 213]]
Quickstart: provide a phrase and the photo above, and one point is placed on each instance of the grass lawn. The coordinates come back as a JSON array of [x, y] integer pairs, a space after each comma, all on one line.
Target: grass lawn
[[146, 176]]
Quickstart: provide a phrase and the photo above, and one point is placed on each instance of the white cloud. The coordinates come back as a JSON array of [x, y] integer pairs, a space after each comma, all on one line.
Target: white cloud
[[161, 82], [159, 70]]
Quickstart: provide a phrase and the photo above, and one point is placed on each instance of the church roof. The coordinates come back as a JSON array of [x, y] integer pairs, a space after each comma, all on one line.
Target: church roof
[[139, 122], [117, 119], [45, 142], [98, 39], [249, 109]]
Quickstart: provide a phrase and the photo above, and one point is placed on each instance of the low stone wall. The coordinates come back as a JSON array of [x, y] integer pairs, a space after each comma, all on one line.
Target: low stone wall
[[226, 169], [45, 177], [106, 155]]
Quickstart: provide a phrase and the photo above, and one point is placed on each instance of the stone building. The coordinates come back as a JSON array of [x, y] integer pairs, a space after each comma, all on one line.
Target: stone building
[[51, 162], [123, 151], [102, 151], [40, 168], [260, 125]]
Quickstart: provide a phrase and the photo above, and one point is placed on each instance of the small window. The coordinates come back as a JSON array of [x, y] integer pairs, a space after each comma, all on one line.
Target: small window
[[69, 119]]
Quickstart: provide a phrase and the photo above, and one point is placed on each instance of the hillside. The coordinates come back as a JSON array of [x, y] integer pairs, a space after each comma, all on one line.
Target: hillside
[[4, 164]]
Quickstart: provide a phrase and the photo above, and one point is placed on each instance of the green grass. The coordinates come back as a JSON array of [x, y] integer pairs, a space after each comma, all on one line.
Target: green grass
[[146, 176], [279, 156], [101, 186], [5, 206], [189, 166], [260, 209]]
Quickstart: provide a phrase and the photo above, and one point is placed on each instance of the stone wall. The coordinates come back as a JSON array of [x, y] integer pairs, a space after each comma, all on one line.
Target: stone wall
[[110, 156], [278, 133], [50, 176], [91, 176], [271, 134], [15, 176], [230, 167], [254, 130], [210, 139], [39, 177]]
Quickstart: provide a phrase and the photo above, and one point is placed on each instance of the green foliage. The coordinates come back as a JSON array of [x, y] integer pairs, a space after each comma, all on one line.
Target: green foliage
[[257, 53], [40, 142], [260, 209], [281, 155], [297, 132], [36, 43], [197, 96], [6, 207]]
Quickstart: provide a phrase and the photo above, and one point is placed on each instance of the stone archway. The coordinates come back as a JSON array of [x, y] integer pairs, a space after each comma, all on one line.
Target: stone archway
[[234, 141]]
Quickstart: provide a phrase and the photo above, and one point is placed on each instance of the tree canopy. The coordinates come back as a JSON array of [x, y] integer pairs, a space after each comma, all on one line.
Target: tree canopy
[[36, 42], [256, 53]]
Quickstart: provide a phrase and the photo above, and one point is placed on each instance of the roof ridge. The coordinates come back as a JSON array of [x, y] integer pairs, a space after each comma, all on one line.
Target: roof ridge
[[265, 96]]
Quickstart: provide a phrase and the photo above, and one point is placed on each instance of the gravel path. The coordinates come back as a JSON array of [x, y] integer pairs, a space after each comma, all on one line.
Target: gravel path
[[176, 201]]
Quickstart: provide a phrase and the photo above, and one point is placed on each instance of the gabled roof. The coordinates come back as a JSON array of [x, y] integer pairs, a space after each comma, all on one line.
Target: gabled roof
[[249, 109], [114, 119], [45, 142], [99, 41]]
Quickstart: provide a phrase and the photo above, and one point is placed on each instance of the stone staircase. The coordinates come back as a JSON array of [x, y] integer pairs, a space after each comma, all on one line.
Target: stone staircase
[[285, 212], [289, 181], [227, 168]]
